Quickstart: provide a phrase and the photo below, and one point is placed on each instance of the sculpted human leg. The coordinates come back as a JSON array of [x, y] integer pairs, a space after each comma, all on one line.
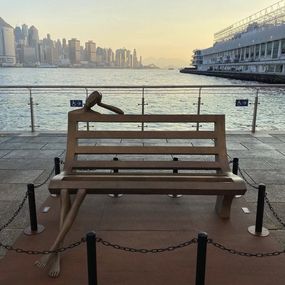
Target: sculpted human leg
[[67, 218]]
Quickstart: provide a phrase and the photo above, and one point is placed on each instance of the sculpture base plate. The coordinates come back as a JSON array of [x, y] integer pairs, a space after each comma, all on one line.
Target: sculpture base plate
[[264, 232], [29, 232]]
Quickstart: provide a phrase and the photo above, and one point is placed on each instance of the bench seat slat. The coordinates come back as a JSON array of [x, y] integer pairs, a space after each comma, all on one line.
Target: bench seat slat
[[146, 150], [146, 134], [145, 186], [173, 118], [194, 165]]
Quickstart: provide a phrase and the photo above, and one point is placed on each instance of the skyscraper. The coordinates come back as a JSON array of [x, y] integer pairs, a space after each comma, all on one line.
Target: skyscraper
[[33, 41], [90, 48], [7, 44], [74, 51]]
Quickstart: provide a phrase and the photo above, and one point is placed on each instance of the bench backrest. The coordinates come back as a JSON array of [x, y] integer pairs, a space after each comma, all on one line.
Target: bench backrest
[[93, 150]]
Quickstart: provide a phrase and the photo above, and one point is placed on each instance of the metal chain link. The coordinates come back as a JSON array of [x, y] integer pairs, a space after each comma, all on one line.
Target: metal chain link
[[243, 253], [46, 180], [16, 213], [245, 179], [273, 211], [144, 250], [37, 252]]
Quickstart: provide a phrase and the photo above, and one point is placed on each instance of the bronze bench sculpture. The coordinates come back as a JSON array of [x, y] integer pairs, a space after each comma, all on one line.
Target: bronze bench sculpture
[[192, 177]]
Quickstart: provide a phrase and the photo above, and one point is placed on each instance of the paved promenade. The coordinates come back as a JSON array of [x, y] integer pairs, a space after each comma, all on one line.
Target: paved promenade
[[28, 158]]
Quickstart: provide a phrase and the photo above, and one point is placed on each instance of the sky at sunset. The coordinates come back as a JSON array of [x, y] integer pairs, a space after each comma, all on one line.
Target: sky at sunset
[[164, 32]]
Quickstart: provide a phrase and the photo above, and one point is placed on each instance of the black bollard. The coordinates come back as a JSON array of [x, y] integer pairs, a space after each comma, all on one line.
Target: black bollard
[[91, 258], [235, 166], [201, 258], [115, 170], [258, 229], [56, 165], [175, 170], [34, 228]]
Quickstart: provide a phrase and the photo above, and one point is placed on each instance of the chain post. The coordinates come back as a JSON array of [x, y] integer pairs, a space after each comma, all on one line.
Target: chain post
[[115, 170], [253, 128], [235, 166], [56, 165], [32, 111], [91, 258], [34, 228], [235, 171], [201, 258], [258, 229], [199, 108], [175, 170]]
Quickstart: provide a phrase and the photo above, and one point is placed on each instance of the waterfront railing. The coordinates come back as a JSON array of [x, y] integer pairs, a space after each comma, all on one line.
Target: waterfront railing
[[44, 108]]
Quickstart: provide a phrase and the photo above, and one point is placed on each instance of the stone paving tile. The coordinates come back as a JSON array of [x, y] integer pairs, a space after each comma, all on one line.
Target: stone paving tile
[[53, 146], [7, 208], [33, 154], [276, 163], [11, 145], [267, 177], [269, 140], [19, 176], [257, 146], [8, 236], [21, 163], [235, 146], [256, 154], [3, 139], [12, 192], [257, 163], [4, 152]]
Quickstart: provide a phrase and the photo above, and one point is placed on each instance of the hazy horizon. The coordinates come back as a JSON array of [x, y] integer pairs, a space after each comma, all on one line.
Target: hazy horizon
[[163, 32]]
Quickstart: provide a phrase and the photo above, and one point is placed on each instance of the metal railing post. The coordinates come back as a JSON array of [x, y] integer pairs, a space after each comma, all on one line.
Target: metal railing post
[[254, 112], [199, 108], [91, 258], [201, 258], [142, 127], [86, 91], [32, 111]]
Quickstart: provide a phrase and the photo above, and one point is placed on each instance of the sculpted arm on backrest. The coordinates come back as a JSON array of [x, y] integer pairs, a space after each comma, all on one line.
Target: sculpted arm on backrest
[[96, 98]]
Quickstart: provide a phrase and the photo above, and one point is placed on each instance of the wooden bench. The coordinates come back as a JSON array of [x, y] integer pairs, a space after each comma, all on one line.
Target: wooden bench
[[144, 168], [131, 177]]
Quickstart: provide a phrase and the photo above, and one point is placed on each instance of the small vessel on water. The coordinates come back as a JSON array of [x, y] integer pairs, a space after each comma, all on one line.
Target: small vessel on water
[[251, 49]]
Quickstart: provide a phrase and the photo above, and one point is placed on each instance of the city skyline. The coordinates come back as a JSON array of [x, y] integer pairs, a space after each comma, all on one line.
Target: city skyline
[[164, 32]]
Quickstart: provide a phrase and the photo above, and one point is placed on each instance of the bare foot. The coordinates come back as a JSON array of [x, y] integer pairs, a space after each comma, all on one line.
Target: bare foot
[[55, 266], [44, 260]]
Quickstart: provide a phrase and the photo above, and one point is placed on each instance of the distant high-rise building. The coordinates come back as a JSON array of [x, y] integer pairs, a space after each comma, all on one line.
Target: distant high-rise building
[[7, 44], [90, 49], [25, 32], [74, 51], [33, 41], [18, 35], [135, 59]]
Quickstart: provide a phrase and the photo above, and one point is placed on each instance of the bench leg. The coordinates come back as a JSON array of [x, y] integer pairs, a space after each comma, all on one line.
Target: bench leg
[[67, 217], [223, 205]]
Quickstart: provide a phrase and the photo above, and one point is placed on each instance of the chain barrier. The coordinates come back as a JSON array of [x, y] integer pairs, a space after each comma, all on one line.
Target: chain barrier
[[16, 213], [273, 211], [37, 252], [46, 180], [266, 199], [144, 250], [243, 253]]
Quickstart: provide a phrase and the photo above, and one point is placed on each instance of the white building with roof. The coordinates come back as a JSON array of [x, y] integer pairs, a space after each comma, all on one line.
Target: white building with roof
[[255, 44]]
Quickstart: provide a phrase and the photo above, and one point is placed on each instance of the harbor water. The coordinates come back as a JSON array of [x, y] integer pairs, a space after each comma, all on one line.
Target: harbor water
[[52, 105]]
